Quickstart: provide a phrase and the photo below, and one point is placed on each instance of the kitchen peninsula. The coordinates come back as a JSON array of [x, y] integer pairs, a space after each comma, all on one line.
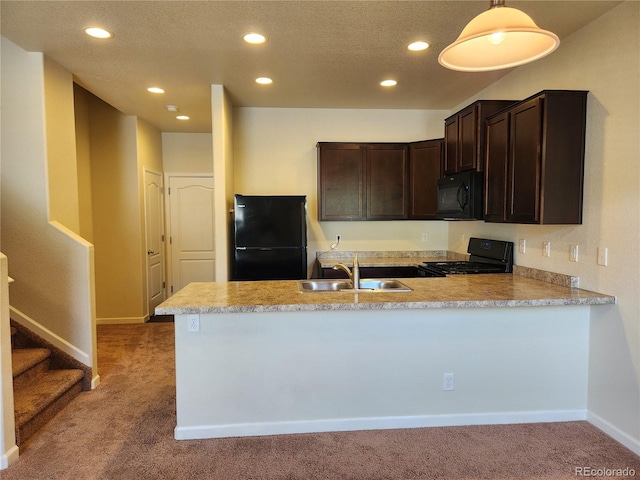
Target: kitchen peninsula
[[260, 358]]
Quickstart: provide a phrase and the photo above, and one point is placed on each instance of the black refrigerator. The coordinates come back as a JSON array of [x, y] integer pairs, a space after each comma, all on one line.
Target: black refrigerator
[[269, 237]]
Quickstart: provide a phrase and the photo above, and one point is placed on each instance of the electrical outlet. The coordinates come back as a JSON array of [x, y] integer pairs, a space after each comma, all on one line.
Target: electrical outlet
[[603, 254], [546, 248], [193, 323], [447, 382], [522, 245], [573, 253], [425, 236]]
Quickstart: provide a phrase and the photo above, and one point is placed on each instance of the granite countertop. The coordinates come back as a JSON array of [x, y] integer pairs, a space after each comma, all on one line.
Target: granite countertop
[[455, 291], [387, 259]]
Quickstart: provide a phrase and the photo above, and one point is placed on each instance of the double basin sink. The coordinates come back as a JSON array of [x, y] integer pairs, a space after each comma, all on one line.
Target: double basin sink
[[366, 284]]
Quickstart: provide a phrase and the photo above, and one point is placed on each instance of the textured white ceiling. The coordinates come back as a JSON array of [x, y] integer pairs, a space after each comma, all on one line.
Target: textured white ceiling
[[321, 54]]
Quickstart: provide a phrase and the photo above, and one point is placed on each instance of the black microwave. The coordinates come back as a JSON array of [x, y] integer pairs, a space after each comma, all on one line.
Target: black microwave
[[460, 196]]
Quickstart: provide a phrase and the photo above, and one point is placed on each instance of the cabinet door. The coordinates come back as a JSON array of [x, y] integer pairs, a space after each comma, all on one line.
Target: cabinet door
[[425, 159], [341, 181], [524, 162], [468, 139], [387, 172], [451, 145], [495, 174]]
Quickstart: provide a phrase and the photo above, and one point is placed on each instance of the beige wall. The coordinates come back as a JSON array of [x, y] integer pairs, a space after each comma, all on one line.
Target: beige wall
[[149, 143], [116, 215], [275, 153], [187, 152], [223, 175], [113, 150], [603, 58], [83, 154], [52, 266], [61, 154]]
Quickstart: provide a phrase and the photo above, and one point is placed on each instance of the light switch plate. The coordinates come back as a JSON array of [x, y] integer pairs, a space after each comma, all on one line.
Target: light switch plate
[[603, 254], [573, 253], [522, 245], [546, 248]]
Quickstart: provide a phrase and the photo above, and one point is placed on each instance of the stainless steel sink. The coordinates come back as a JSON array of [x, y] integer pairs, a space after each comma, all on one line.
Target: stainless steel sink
[[324, 285], [383, 284], [366, 284]]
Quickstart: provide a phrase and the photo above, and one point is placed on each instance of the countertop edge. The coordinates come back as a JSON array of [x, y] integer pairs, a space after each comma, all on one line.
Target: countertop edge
[[412, 305]]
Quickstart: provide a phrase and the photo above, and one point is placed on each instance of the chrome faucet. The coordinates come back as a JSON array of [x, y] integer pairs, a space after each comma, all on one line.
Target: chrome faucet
[[354, 272]]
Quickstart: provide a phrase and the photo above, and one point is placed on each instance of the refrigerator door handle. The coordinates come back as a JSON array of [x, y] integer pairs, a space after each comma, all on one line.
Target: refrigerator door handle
[[241, 248]]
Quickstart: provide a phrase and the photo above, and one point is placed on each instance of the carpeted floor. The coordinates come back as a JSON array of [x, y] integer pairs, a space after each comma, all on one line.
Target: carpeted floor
[[124, 430]]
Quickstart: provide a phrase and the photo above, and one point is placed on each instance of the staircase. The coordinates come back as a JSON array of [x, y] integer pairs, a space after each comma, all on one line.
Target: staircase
[[41, 388]]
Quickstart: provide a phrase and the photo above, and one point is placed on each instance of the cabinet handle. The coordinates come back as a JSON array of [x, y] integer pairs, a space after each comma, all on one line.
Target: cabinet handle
[[150, 252]]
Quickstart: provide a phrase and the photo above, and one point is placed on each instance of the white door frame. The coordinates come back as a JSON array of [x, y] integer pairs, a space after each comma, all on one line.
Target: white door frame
[[162, 253], [167, 225]]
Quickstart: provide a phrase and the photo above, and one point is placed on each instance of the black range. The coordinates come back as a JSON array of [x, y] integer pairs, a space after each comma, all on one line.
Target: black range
[[486, 256]]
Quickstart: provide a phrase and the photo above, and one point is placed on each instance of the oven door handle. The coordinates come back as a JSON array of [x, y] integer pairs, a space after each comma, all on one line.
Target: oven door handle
[[463, 196]]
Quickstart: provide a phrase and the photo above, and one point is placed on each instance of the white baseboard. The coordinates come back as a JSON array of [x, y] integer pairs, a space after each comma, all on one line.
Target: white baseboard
[[8, 457], [120, 320], [50, 336], [374, 423], [614, 432]]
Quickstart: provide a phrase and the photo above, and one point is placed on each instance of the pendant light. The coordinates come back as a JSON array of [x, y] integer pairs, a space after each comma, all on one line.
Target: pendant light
[[501, 37]]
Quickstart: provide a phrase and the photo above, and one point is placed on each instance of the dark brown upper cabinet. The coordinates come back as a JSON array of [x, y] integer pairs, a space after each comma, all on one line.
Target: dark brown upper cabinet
[[387, 176], [362, 181], [425, 164], [378, 181], [535, 160], [464, 136], [495, 172], [341, 181]]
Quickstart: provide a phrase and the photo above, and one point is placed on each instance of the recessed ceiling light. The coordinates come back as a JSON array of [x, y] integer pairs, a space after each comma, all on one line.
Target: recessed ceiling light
[[155, 90], [264, 81], [418, 46], [254, 38], [98, 32], [182, 117], [388, 83]]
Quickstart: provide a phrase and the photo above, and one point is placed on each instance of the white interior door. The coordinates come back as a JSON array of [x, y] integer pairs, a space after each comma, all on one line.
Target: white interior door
[[155, 238], [191, 233]]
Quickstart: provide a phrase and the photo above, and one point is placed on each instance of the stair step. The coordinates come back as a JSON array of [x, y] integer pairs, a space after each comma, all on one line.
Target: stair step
[[24, 359], [36, 403]]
